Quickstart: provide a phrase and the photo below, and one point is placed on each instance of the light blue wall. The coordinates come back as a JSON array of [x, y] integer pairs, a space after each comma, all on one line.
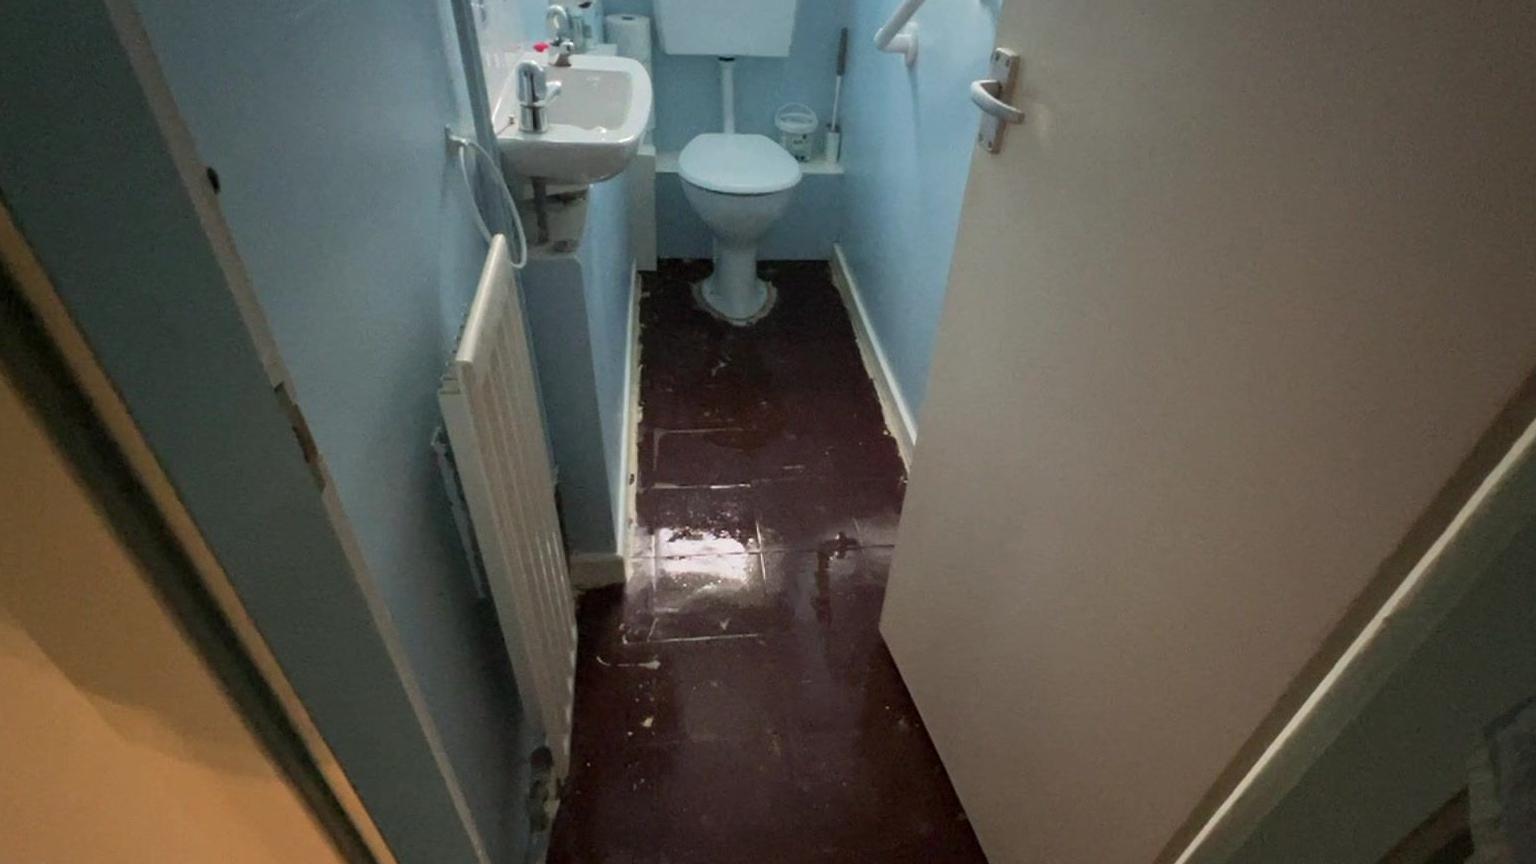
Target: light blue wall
[[578, 314], [503, 24], [609, 268], [554, 292], [688, 88], [908, 138], [688, 103], [85, 172], [325, 123]]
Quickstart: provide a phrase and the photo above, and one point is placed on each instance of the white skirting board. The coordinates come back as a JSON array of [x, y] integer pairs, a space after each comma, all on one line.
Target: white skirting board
[[898, 417], [631, 416]]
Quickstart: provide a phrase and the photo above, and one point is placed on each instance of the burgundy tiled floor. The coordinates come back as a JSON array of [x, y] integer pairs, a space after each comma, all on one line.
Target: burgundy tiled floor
[[735, 703]]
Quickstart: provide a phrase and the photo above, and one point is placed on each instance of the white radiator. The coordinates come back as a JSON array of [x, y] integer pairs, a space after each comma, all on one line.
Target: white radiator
[[491, 408]]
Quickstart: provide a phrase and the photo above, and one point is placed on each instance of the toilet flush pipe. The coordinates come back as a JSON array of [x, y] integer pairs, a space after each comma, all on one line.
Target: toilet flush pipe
[[728, 94]]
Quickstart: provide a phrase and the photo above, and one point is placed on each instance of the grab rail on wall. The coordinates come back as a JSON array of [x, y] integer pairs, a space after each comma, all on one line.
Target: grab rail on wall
[[899, 35]]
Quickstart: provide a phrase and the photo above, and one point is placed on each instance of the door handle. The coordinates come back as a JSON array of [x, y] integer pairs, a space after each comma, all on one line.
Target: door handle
[[987, 94], [993, 95]]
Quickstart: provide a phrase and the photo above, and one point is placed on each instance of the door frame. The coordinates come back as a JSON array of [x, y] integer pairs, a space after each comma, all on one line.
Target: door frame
[[67, 390], [1377, 638], [327, 648]]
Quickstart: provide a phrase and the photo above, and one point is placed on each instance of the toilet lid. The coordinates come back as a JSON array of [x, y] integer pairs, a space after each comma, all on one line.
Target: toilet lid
[[738, 164]]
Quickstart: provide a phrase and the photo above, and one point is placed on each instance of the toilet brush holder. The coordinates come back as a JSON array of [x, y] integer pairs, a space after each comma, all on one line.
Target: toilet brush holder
[[797, 130]]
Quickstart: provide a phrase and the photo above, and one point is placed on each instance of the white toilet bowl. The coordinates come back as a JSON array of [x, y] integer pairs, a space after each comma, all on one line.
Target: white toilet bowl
[[739, 185]]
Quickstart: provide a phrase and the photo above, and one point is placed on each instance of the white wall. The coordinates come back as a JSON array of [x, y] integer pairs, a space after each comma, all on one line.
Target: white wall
[[1224, 317]]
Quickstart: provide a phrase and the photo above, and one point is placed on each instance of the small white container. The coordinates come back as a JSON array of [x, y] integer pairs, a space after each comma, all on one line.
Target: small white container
[[797, 125]]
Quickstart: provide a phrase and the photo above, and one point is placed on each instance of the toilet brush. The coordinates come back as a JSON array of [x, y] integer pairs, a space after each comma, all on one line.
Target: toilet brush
[[834, 130]]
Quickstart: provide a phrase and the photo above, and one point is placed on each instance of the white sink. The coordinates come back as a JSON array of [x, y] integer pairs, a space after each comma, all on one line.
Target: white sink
[[595, 123]]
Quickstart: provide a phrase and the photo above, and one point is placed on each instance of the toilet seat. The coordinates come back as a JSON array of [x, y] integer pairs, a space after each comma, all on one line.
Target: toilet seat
[[738, 164]]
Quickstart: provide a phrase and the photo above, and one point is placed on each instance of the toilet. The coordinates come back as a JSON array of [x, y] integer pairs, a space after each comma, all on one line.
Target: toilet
[[739, 184]]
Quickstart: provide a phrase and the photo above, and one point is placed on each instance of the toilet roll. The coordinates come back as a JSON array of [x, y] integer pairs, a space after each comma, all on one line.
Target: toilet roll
[[632, 34]]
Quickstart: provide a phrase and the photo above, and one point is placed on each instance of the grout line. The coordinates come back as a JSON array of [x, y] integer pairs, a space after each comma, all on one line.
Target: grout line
[[698, 639]]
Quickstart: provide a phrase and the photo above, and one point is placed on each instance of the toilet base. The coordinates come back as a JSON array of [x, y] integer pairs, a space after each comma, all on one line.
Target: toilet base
[[764, 292], [733, 292]]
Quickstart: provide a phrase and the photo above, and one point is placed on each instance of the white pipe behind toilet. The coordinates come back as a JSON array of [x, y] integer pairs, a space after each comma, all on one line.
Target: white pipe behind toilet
[[728, 95]]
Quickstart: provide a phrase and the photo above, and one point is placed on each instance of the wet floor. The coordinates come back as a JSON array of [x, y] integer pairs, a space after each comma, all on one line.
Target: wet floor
[[735, 703]]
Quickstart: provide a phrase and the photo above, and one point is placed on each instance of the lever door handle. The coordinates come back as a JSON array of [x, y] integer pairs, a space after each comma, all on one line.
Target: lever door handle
[[987, 94], [993, 95]]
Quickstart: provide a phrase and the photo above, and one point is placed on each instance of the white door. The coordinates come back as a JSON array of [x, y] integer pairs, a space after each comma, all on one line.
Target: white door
[[1226, 313]]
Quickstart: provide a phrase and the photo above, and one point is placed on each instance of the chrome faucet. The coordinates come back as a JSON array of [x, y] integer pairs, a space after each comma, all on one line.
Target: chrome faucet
[[534, 93], [561, 34], [558, 20]]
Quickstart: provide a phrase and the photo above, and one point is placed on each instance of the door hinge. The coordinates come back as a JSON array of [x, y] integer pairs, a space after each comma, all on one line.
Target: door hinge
[[301, 433]]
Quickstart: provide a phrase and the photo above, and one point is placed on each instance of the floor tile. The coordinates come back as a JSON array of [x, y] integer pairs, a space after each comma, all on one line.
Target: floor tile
[[609, 811], [691, 521], [803, 513], [728, 801], [731, 689], [735, 703], [704, 457], [698, 597]]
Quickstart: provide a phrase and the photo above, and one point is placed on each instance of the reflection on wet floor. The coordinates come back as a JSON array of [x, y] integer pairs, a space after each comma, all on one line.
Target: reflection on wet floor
[[734, 700]]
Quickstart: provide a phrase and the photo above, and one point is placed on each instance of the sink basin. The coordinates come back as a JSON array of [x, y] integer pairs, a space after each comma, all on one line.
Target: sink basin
[[595, 124]]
